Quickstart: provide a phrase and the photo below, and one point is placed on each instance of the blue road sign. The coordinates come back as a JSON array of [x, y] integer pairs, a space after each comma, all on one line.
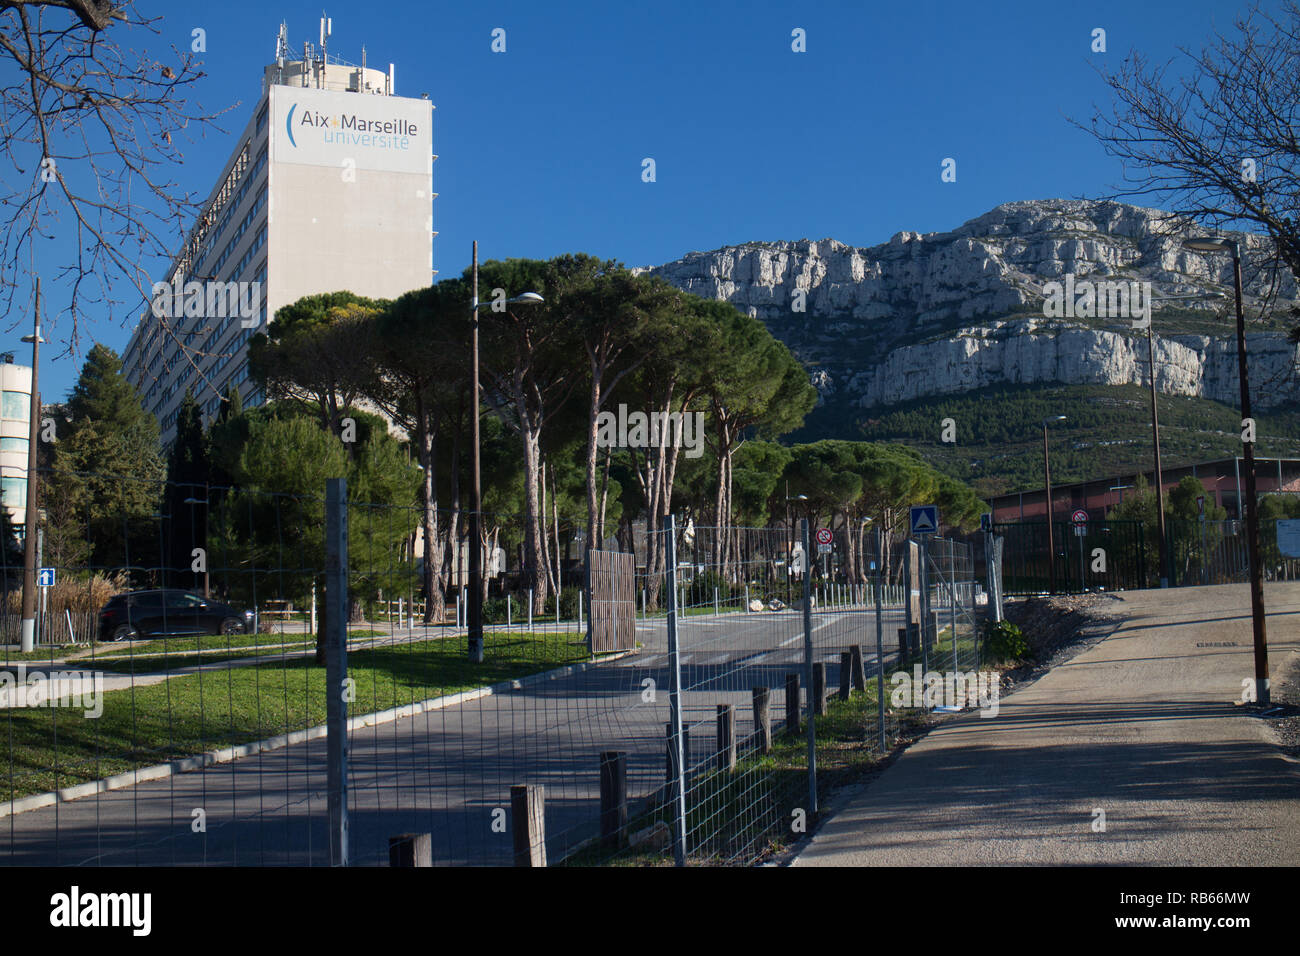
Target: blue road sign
[[925, 519], [45, 577]]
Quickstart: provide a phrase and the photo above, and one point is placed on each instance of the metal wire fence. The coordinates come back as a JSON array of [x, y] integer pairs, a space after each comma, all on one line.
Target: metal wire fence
[[285, 695]]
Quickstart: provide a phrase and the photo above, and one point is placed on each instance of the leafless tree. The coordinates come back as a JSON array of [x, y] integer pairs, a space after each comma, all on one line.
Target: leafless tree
[[92, 128], [1212, 134]]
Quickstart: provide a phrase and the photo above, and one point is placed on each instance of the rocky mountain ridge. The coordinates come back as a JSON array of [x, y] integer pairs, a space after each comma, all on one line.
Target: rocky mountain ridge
[[943, 313]]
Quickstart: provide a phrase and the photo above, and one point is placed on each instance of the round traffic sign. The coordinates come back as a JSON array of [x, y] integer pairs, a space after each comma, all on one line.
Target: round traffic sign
[[1079, 517], [823, 535]]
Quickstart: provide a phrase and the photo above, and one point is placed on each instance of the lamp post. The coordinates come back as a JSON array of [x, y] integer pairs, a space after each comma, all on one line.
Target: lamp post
[[1051, 541], [27, 642], [1220, 244], [475, 616]]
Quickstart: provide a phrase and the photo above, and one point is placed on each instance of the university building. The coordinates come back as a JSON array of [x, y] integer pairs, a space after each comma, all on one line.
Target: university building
[[329, 187]]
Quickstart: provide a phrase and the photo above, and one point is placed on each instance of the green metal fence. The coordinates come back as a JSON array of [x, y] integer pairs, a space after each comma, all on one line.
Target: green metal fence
[[1101, 555]]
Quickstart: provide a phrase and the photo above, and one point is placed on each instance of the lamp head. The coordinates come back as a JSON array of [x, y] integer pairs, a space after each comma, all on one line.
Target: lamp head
[[1209, 244]]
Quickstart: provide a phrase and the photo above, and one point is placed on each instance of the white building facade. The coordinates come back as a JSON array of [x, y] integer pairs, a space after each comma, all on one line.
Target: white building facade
[[15, 422], [329, 188]]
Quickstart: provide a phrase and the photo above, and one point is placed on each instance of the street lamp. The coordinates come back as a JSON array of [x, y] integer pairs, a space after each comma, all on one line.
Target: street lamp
[[789, 539], [27, 642], [475, 617], [1121, 489], [1220, 244], [1051, 542]]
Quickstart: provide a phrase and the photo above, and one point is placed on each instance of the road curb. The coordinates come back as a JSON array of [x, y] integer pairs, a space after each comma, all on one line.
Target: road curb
[[159, 771]]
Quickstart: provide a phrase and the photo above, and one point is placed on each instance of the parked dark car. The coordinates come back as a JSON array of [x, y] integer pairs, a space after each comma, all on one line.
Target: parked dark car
[[168, 612]]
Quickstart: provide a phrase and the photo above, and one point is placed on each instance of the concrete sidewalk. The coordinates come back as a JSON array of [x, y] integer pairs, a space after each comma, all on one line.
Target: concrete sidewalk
[[1141, 726]]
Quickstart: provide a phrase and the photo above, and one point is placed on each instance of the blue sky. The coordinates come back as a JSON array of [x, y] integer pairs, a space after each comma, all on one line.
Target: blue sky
[[541, 147]]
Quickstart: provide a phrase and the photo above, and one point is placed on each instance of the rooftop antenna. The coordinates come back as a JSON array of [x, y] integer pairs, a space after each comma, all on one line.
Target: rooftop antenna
[[361, 77], [282, 45], [326, 28]]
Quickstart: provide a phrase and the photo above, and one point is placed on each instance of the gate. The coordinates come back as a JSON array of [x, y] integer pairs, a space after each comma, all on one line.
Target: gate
[[611, 582], [1125, 561]]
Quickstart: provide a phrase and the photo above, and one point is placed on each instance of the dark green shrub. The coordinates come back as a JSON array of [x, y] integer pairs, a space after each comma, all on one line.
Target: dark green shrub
[[1004, 642]]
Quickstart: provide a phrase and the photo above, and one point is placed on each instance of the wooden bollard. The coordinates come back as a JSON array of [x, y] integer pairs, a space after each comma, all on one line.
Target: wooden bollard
[[411, 849], [726, 737], [528, 819], [857, 669], [792, 703], [846, 665], [762, 720], [686, 750], [819, 688], [613, 799]]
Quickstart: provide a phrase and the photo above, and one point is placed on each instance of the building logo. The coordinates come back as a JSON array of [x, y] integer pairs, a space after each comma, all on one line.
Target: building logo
[[348, 129]]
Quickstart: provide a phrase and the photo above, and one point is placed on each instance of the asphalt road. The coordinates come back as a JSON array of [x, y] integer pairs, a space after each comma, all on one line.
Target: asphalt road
[[1141, 727], [447, 771]]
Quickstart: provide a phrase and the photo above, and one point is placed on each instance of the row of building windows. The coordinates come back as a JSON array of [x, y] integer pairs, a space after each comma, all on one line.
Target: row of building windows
[[250, 178], [238, 234]]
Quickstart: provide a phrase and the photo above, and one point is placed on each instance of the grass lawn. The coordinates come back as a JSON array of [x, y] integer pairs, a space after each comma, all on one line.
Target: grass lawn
[[744, 815], [50, 748]]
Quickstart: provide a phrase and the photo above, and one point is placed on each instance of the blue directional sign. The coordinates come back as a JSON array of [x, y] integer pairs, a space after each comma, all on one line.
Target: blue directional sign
[[925, 519], [45, 577]]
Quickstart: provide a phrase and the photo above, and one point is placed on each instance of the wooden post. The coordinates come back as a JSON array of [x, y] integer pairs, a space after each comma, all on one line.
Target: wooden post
[[856, 667], [762, 720], [904, 651], [528, 818], [819, 688], [686, 750], [613, 799], [792, 703], [411, 849], [726, 737], [846, 665]]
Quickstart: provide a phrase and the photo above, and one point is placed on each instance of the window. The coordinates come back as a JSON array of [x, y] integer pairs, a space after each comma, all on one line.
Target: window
[[17, 405], [13, 492], [13, 444]]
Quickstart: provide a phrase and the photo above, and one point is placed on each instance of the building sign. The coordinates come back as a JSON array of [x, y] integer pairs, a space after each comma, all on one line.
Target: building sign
[[313, 127]]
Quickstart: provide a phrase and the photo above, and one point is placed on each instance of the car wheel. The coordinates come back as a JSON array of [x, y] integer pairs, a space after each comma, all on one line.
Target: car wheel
[[124, 632], [232, 625]]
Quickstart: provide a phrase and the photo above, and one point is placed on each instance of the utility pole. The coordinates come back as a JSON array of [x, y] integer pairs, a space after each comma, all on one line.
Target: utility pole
[[475, 621], [28, 638], [1160, 487]]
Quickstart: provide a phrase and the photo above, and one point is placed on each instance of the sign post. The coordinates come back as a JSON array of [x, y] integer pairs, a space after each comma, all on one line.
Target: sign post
[[1080, 519], [925, 522]]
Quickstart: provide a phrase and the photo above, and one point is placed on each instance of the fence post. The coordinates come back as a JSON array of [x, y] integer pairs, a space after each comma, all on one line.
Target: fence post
[[411, 849], [819, 688], [846, 676], [671, 761], [715, 600], [509, 614], [530, 610], [674, 698], [336, 665], [726, 737], [792, 704], [613, 799], [528, 823], [857, 671], [746, 596], [808, 666], [762, 719], [880, 636]]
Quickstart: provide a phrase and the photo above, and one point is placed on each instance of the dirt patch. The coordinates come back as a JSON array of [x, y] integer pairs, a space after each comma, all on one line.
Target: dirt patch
[[1058, 629]]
